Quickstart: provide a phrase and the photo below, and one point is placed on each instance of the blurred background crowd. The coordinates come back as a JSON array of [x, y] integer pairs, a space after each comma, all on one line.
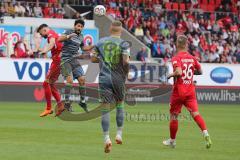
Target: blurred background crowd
[[212, 26]]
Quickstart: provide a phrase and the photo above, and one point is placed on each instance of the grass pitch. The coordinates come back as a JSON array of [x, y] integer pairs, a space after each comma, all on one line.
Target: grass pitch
[[26, 136]]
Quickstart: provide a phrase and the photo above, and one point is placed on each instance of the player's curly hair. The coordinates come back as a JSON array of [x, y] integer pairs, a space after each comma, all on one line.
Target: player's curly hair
[[81, 21]]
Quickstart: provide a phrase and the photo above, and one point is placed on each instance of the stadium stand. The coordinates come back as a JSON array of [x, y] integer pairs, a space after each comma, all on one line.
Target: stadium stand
[[211, 26]]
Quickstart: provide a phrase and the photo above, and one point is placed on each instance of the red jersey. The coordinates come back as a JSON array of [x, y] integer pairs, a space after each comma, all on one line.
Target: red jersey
[[56, 50], [183, 85]]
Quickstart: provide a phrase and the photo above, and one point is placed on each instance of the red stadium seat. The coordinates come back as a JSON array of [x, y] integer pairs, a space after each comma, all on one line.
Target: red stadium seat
[[168, 5], [218, 2], [211, 8], [182, 6], [203, 7], [212, 2], [205, 2], [175, 6]]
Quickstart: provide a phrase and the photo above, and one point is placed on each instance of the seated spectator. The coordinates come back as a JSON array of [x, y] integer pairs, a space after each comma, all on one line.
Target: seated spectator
[[37, 11], [77, 15], [157, 50], [19, 9], [20, 50], [29, 10], [59, 11], [147, 39], [2, 53], [47, 11], [10, 9], [142, 55], [234, 60], [214, 57], [2, 13], [139, 32], [196, 40]]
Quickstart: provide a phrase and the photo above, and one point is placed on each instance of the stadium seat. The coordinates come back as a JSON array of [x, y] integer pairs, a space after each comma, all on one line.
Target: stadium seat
[[212, 2], [205, 2], [211, 8], [175, 6], [203, 7], [218, 2], [168, 5], [182, 6]]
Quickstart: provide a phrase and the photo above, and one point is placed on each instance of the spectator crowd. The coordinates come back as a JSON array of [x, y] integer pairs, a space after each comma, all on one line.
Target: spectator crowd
[[36, 9], [212, 26]]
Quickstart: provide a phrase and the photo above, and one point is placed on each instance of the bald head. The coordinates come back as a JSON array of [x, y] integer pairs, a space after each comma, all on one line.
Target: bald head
[[182, 42], [116, 28]]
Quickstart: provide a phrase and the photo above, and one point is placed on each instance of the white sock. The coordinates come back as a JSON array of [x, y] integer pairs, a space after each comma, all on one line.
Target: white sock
[[172, 140], [119, 131], [106, 137], [83, 101], [205, 133]]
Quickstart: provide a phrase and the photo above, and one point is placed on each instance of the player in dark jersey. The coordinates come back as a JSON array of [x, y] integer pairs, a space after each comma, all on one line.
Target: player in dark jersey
[[70, 66], [113, 59], [52, 76], [185, 66]]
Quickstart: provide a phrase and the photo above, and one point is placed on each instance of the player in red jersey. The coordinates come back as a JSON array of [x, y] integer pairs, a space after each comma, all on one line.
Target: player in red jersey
[[184, 67], [52, 76]]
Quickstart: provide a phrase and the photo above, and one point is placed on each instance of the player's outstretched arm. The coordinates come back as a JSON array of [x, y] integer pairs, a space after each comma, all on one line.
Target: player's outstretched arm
[[93, 55], [49, 46], [65, 37], [87, 48]]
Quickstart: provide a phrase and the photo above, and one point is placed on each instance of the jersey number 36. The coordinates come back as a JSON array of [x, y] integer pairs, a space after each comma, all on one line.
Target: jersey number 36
[[187, 71]]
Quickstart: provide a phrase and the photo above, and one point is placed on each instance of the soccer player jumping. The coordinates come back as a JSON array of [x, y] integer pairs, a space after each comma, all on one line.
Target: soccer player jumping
[[70, 67], [184, 67], [52, 76], [113, 59]]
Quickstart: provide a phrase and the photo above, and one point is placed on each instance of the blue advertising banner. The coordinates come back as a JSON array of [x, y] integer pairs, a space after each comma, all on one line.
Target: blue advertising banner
[[13, 33]]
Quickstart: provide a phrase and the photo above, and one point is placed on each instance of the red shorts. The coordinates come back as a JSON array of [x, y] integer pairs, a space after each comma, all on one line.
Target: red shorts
[[53, 72], [189, 101]]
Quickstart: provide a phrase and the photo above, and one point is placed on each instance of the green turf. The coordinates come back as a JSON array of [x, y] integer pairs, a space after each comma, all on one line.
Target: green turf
[[26, 136]]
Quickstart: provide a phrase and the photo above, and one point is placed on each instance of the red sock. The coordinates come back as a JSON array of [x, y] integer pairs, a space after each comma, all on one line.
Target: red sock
[[173, 128], [48, 95], [55, 93], [199, 120]]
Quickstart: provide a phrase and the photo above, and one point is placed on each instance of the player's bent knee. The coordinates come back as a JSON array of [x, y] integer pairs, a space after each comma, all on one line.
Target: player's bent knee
[[69, 80], [81, 81], [174, 116], [45, 83]]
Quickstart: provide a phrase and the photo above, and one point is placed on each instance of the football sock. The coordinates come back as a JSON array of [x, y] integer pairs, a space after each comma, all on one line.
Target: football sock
[[82, 92], [105, 121], [173, 129], [106, 136], [55, 93], [68, 88], [48, 95], [199, 120], [205, 133], [119, 118]]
